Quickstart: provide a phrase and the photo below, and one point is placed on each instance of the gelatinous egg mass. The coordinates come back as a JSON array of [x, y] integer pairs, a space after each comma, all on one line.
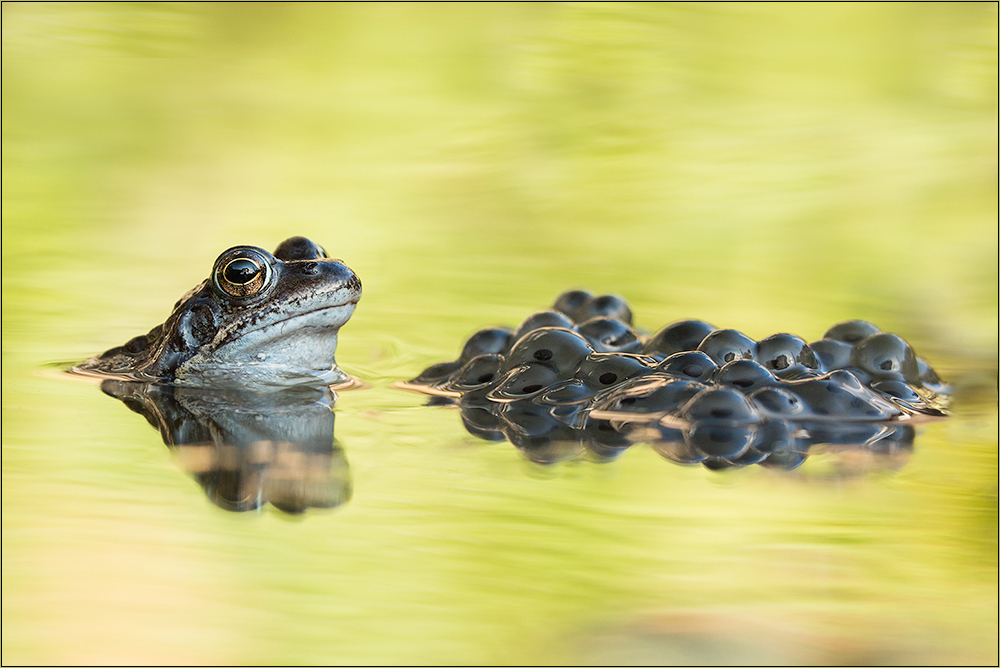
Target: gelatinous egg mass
[[581, 378]]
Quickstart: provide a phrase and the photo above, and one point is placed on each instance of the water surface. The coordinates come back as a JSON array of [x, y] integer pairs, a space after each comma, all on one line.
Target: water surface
[[766, 168]]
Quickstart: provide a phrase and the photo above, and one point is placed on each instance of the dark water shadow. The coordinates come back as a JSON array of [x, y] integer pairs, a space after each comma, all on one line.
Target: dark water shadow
[[548, 434], [248, 449]]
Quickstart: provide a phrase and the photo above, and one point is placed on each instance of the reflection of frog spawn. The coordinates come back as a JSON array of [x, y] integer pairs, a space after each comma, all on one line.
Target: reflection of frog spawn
[[581, 376], [547, 433], [246, 448]]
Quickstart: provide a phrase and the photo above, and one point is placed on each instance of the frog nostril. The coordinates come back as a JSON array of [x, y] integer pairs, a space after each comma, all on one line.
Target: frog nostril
[[311, 268]]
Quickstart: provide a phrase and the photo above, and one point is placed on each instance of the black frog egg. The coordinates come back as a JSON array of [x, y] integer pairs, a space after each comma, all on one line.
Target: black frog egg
[[542, 319], [608, 335], [571, 415], [851, 331], [603, 370], [744, 375], [678, 337], [572, 301], [928, 376], [720, 440], [846, 378], [751, 456], [779, 402], [559, 349], [669, 443], [773, 436], [726, 345], [601, 438], [786, 355], [834, 432], [693, 364], [523, 382], [720, 403], [605, 306], [832, 354], [482, 422], [436, 373], [540, 437], [905, 395], [717, 464], [569, 393], [489, 341], [887, 357], [651, 393], [788, 458], [840, 395], [478, 372], [527, 418], [899, 390]]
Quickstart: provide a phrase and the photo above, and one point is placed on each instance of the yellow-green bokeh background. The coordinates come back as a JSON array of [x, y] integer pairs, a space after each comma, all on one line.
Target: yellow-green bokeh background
[[764, 167]]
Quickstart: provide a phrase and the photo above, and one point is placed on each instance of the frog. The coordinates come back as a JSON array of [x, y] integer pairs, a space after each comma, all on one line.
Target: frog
[[260, 319]]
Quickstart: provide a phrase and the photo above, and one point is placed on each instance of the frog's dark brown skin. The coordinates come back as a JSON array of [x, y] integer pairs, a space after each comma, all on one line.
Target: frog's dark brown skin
[[258, 319]]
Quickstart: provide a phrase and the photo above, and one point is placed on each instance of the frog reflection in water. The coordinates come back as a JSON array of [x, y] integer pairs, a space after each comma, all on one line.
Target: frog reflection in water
[[245, 448], [579, 379], [259, 319], [237, 380]]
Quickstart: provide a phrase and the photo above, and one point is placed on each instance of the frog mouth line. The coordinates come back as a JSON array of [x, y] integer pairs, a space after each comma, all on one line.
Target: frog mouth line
[[350, 303]]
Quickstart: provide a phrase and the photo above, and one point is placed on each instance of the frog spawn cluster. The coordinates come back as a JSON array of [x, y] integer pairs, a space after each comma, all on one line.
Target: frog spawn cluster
[[579, 373]]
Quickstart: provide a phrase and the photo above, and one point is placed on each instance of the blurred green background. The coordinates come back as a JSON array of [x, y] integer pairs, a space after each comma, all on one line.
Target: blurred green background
[[764, 167]]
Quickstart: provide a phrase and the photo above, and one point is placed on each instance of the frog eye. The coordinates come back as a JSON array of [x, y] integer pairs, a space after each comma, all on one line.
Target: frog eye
[[243, 275]]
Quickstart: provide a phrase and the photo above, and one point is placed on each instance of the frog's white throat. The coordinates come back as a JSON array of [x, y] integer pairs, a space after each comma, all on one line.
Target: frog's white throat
[[291, 351]]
